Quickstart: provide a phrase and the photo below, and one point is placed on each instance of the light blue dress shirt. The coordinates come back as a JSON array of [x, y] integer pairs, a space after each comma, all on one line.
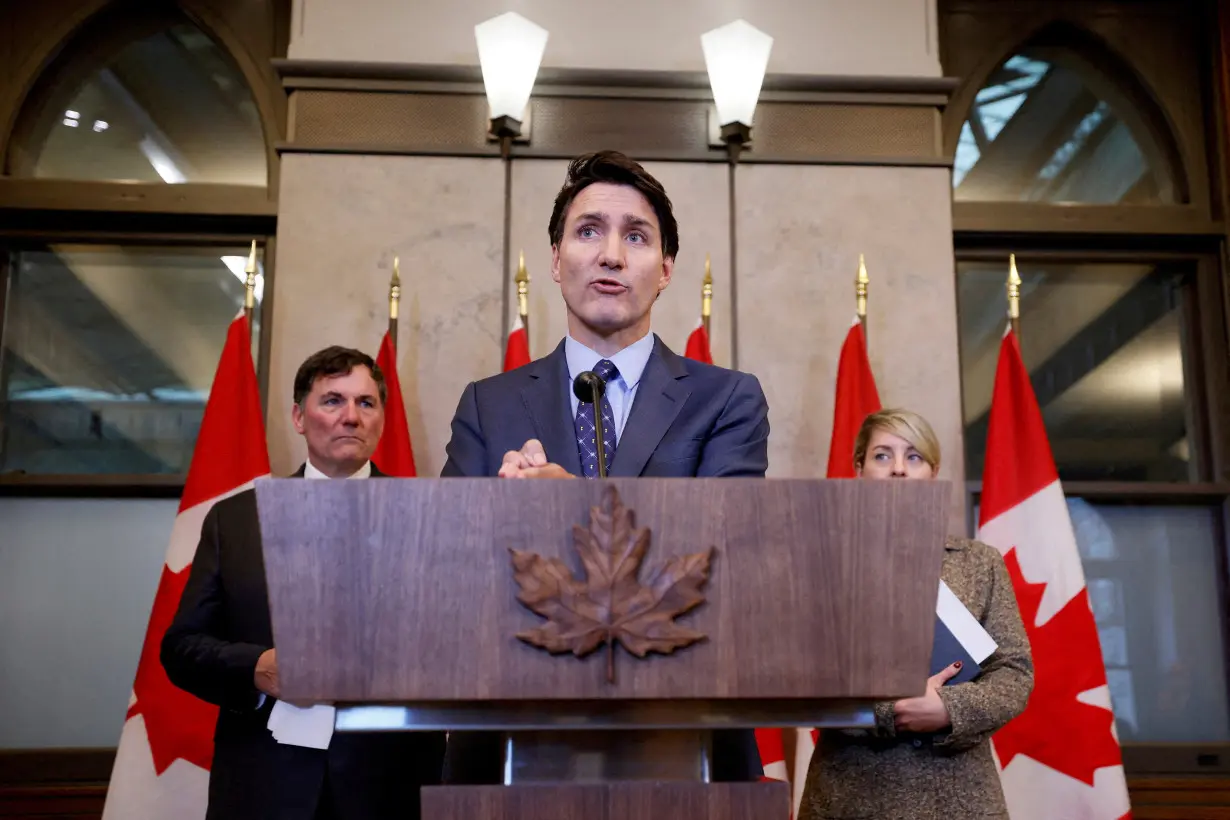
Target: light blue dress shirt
[[621, 391]]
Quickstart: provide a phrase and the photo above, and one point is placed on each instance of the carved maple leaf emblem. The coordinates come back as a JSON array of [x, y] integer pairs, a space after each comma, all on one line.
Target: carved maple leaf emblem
[[611, 604], [1067, 661]]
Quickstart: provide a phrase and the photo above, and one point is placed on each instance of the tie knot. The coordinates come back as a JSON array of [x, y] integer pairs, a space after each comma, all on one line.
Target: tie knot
[[606, 370]]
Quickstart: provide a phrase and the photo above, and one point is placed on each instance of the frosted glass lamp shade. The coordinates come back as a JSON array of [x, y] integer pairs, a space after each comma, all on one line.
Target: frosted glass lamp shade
[[736, 57], [510, 50]]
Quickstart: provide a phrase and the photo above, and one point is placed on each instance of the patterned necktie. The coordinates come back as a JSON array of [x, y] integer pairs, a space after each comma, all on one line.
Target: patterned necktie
[[586, 445]]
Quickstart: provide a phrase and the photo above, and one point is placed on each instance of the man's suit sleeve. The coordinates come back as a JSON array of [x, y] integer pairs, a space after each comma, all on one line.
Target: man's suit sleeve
[[739, 443], [467, 449], [195, 653]]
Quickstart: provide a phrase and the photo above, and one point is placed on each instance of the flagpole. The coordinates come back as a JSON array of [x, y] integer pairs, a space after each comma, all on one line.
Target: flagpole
[[523, 296], [861, 281], [249, 297], [394, 299], [506, 259], [1014, 297], [706, 296]]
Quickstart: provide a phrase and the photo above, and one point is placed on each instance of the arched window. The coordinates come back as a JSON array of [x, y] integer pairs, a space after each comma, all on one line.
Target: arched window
[[1049, 126], [1082, 150], [159, 103], [139, 162]]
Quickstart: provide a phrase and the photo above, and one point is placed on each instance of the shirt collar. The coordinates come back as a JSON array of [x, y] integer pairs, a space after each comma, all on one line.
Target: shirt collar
[[310, 471], [631, 361]]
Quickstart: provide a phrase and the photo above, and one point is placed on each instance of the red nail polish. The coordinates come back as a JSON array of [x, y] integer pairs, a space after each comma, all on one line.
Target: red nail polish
[[958, 664]]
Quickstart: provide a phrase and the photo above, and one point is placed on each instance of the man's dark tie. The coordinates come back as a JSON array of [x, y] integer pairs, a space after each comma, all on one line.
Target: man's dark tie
[[586, 444]]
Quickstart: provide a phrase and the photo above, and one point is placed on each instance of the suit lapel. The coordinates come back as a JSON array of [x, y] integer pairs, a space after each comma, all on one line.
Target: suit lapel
[[659, 398], [550, 407]]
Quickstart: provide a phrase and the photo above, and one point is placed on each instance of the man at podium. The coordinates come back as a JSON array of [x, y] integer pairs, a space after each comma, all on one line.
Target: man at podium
[[614, 240]]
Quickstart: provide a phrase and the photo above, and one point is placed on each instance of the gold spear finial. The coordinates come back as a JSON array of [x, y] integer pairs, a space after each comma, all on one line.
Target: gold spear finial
[[395, 290], [249, 299], [394, 299], [861, 281], [706, 291], [1014, 294], [523, 288]]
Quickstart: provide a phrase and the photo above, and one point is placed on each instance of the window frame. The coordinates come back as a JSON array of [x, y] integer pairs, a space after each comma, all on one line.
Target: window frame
[[976, 37], [1154, 758], [1209, 395], [44, 210], [122, 485], [109, 29], [1112, 80], [1206, 309]]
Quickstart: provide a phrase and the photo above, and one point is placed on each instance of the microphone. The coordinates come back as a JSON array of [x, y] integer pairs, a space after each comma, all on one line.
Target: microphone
[[589, 388]]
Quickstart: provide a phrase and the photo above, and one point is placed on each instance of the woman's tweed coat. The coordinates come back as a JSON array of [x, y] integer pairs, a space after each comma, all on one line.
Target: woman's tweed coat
[[882, 774]]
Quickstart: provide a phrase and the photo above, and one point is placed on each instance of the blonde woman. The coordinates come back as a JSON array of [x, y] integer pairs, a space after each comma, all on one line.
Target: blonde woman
[[929, 756]]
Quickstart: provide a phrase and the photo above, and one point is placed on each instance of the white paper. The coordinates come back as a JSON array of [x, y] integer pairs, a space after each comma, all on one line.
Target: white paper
[[963, 625], [310, 726]]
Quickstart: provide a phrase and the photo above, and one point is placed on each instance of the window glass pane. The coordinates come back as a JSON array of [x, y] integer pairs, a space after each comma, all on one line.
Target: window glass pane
[[1048, 127], [1104, 347], [170, 107], [1152, 575], [109, 353]]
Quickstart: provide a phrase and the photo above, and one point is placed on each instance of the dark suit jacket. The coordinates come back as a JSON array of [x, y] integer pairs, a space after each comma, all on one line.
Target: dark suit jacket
[[688, 420], [210, 650]]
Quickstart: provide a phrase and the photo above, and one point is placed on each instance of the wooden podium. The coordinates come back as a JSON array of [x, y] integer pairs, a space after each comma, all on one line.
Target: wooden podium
[[396, 600]]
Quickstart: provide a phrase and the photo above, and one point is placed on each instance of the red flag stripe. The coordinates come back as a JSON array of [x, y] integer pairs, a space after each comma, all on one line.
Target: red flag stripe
[[394, 454], [698, 345], [856, 398], [1015, 436], [226, 454], [517, 347]]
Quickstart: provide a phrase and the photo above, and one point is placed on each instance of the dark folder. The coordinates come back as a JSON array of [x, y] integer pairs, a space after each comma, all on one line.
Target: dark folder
[[958, 637]]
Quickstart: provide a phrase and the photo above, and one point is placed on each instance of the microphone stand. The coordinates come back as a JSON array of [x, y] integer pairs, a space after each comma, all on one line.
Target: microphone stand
[[589, 388]]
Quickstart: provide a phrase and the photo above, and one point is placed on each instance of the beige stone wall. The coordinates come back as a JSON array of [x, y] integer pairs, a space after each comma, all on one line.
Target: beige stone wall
[[800, 231], [875, 38], [343, 218]]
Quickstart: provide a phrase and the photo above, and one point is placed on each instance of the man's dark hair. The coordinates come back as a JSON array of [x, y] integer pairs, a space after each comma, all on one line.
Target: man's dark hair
[[335, 361], [614, 167]]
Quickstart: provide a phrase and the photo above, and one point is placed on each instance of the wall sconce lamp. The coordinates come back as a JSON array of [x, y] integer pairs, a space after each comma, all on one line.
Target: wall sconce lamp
[[736, 56], [510, 50]]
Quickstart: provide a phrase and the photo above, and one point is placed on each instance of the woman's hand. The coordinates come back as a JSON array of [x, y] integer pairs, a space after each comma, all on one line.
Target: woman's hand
[[927, 713]]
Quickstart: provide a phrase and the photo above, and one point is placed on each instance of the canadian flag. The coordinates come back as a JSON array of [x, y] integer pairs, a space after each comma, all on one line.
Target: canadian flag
[[698, 344], [393, 454], [517, 348], [1060, 758], [772, 754], [162, 764], [856, 398]]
